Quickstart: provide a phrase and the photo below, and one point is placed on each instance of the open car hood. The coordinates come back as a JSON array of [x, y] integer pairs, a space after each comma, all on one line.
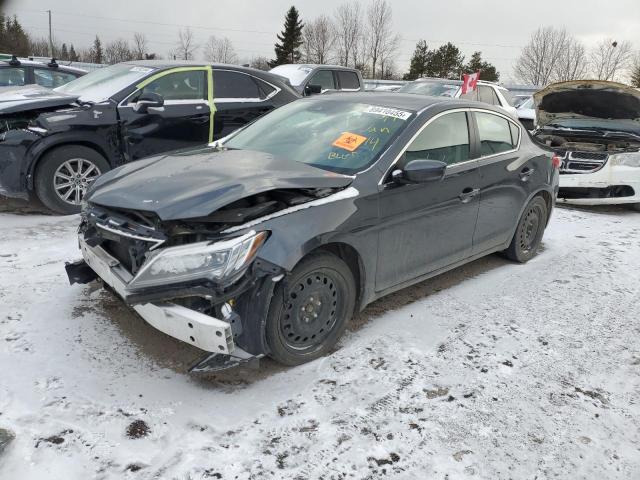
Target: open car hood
[[31, 97], [587, 99], [195, 183]]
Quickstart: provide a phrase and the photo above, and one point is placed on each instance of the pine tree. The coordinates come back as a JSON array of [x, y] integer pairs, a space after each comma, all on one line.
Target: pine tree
[[73, 56], [64, 54], [290, 39], [13, 38], [96, 51], [487, 71], [445, 62], [419, 61]]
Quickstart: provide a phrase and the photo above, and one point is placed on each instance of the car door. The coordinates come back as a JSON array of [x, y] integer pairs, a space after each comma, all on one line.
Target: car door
[[239, 98], [324, 79], [503, 188], [183, 120], [426, 227]]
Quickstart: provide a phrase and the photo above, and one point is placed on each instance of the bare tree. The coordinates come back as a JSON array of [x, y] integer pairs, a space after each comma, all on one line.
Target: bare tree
[[572, 64], [39, 47], [319, 38], [220, 50], [117, 51], [261, 63], [610, 58], [382, 40], [539, 58], [348, 29], [139, 46], [186, 46]]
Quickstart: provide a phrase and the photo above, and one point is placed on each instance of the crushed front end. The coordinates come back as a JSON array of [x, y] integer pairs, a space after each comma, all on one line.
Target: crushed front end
[[186, 279]]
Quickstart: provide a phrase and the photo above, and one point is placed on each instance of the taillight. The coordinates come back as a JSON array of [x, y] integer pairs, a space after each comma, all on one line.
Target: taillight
[[556, 161]]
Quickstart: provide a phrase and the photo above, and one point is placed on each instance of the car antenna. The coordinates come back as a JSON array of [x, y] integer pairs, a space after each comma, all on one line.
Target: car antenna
[[14, 62], [52, 63]]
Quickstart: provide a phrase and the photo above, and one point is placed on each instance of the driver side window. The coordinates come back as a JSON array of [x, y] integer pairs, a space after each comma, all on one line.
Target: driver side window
[[324, 78], [189, 85], [445, 139]]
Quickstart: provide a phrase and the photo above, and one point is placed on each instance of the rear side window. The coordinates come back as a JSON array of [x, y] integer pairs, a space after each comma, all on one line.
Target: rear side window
[[348, 80], [324, 78], [496, 133], [508, 97], [487, 95], [228, 84], [11, 77], [52, 78], [265, 89], [189, 85], [473, 95], [445, 139]]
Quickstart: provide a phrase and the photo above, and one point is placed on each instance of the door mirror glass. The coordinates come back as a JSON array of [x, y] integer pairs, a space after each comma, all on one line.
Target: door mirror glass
[[312, 89], [420, 171], [148, 100]]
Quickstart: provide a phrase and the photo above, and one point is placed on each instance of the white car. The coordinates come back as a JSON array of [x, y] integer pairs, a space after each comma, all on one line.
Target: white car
[[527, 113], [594, 126], [487, 92]]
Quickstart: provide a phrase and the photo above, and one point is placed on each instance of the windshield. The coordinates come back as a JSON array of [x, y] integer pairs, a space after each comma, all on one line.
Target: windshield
[[295, 73], [104, 82], [434, 89], [338, 136]]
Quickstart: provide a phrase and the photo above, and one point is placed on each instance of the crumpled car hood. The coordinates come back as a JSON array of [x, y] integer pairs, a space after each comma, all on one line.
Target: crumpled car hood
[[587, 99], [196, 182], [31, 97]]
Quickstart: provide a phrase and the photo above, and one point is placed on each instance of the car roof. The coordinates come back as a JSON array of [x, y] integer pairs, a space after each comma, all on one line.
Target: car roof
[[319, 65], [404, 101]]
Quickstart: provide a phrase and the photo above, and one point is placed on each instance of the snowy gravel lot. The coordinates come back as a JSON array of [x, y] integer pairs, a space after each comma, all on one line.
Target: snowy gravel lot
[[494, 371]]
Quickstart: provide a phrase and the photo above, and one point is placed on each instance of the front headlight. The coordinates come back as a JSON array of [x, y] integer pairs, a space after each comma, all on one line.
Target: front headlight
[[631, 159], [202, 260]]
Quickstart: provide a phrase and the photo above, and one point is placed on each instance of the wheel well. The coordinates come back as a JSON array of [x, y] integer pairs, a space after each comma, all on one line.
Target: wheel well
[[351, 257], [546, 196], [55, 146]]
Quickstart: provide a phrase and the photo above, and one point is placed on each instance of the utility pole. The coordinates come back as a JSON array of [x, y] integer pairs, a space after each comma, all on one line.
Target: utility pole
[[50, 36]]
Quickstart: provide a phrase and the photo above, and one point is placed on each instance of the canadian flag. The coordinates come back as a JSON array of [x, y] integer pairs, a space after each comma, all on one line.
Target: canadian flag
[[470, 82]]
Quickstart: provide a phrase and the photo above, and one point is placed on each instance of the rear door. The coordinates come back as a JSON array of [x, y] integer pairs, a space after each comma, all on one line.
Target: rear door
[[506, 179], [239, 99], [428, 226], [184, 119]]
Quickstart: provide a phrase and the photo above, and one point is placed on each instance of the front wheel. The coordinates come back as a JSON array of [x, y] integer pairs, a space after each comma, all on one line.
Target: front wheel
[[310, 309], [64, 174], [529, 231]]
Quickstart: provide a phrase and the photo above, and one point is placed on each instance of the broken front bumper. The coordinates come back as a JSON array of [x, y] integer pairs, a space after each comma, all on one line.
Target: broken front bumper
[[602, 187], [190, 326]]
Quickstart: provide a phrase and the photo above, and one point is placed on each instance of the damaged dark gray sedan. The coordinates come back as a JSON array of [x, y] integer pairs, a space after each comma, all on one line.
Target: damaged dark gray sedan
[[266, 242]]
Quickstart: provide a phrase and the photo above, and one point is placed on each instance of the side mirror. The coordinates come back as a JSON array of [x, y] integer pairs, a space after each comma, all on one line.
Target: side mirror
[[420, 171], [312, 89], [148, 100]]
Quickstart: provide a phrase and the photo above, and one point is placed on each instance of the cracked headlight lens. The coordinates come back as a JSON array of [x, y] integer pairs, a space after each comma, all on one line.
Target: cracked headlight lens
[[202, 260], [625, 160]]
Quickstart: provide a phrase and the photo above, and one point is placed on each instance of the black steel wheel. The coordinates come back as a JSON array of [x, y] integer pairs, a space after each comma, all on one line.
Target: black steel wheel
[[310, 309], [529, 232]]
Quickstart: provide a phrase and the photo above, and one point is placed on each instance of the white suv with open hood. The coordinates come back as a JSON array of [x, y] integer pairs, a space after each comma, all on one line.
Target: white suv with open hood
[[594, 126]]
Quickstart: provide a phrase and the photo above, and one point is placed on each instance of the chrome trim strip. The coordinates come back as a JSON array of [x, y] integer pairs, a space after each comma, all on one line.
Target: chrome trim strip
[[124, 233]]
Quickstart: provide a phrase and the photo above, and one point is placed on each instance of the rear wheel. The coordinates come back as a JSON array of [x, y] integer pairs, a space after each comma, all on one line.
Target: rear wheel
[[310, 310], [529, 231], [64, 174]]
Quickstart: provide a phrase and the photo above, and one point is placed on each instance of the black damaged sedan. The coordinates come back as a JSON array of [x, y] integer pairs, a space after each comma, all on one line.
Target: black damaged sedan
[[267, 242]]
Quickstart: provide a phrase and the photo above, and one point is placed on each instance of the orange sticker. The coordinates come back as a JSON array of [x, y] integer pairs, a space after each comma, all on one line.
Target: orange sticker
[[349, 141]]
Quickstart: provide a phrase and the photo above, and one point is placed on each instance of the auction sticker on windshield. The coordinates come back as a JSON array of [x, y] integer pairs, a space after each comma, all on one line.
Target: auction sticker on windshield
[[388, 112], [349, 141]]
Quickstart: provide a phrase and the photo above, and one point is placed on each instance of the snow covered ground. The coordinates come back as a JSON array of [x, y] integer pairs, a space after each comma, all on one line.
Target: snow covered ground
[[494, 370]]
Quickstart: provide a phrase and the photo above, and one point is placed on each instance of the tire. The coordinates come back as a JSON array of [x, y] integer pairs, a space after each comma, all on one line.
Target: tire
[[70, 162], [310, 309], [526, 240]]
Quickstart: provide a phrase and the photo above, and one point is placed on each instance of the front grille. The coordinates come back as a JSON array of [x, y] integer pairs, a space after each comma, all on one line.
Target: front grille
[[583, 162]]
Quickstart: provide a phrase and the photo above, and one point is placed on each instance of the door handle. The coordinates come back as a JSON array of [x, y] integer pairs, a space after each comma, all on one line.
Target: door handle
[[200, 119], [526, 173], [468, 193]]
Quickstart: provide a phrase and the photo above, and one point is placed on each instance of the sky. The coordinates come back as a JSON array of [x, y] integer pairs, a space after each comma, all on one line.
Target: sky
[[498, 28]]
